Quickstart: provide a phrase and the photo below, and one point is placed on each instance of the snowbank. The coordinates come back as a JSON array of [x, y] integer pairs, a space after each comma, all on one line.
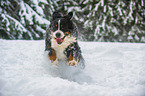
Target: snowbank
[[112, 69]]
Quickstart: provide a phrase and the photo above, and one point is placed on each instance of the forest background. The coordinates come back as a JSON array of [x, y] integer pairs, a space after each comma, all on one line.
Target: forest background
[[97, 20]]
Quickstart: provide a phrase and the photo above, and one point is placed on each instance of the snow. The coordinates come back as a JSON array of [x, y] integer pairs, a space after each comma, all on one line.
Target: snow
[[6, 19], [105, 8], [38, 8], [111, 11], [40, 29], [120, 10], [86, 1], [142, 2], [131, 10], [102, 2], [97, 5], [112, 69], [28, 12], [20, 27]]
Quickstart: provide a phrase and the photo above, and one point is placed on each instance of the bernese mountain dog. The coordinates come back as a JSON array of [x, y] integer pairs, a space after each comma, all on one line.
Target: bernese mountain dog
[[61, 41]]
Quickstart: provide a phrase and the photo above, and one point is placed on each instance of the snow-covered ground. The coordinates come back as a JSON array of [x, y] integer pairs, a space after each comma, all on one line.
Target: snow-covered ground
[[112, 69]]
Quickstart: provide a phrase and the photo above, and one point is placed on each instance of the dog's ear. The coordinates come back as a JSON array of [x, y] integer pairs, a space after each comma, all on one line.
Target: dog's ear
[[56, 15], [70, 15]]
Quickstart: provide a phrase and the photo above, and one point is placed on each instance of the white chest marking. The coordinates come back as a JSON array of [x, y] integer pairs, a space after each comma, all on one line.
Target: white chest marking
[[59, 49]]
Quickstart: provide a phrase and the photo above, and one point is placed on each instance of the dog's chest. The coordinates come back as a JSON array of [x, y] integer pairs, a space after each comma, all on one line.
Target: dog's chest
[[59, 49]]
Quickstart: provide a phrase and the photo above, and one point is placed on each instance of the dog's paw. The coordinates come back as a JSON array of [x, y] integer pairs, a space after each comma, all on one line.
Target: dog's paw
[[73, 63], [55, 62]]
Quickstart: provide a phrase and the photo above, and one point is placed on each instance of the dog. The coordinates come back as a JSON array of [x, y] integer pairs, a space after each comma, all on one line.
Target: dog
[[61, 41]]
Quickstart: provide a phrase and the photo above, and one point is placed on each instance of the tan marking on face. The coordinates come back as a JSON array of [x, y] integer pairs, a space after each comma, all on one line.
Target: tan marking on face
[[66, 33]]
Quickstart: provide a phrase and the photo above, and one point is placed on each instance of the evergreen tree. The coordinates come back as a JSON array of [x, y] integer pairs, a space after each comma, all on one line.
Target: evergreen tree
[[107, 20], [22, 20], [10, 27], [97, 20], [136, 15]]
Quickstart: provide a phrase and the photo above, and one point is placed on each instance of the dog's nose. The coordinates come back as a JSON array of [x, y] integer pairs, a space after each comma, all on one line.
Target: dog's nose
[[58, 35]]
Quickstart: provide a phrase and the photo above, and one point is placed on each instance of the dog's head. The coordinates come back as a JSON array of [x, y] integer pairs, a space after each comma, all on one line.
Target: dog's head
[[62, 27]]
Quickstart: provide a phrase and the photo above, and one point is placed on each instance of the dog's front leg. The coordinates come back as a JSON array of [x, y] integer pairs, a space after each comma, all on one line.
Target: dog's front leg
[[73, 54], [72, 61], [52, 56]]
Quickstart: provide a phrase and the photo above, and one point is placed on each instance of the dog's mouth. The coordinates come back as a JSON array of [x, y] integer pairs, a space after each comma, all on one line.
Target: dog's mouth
[[59, 40]]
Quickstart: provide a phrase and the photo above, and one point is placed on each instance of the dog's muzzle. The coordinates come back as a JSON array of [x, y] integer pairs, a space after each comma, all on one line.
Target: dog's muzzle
[[59, 36]]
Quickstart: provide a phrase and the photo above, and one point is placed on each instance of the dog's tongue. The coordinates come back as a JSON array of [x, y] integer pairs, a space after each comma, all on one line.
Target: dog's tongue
[[59, 40]]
